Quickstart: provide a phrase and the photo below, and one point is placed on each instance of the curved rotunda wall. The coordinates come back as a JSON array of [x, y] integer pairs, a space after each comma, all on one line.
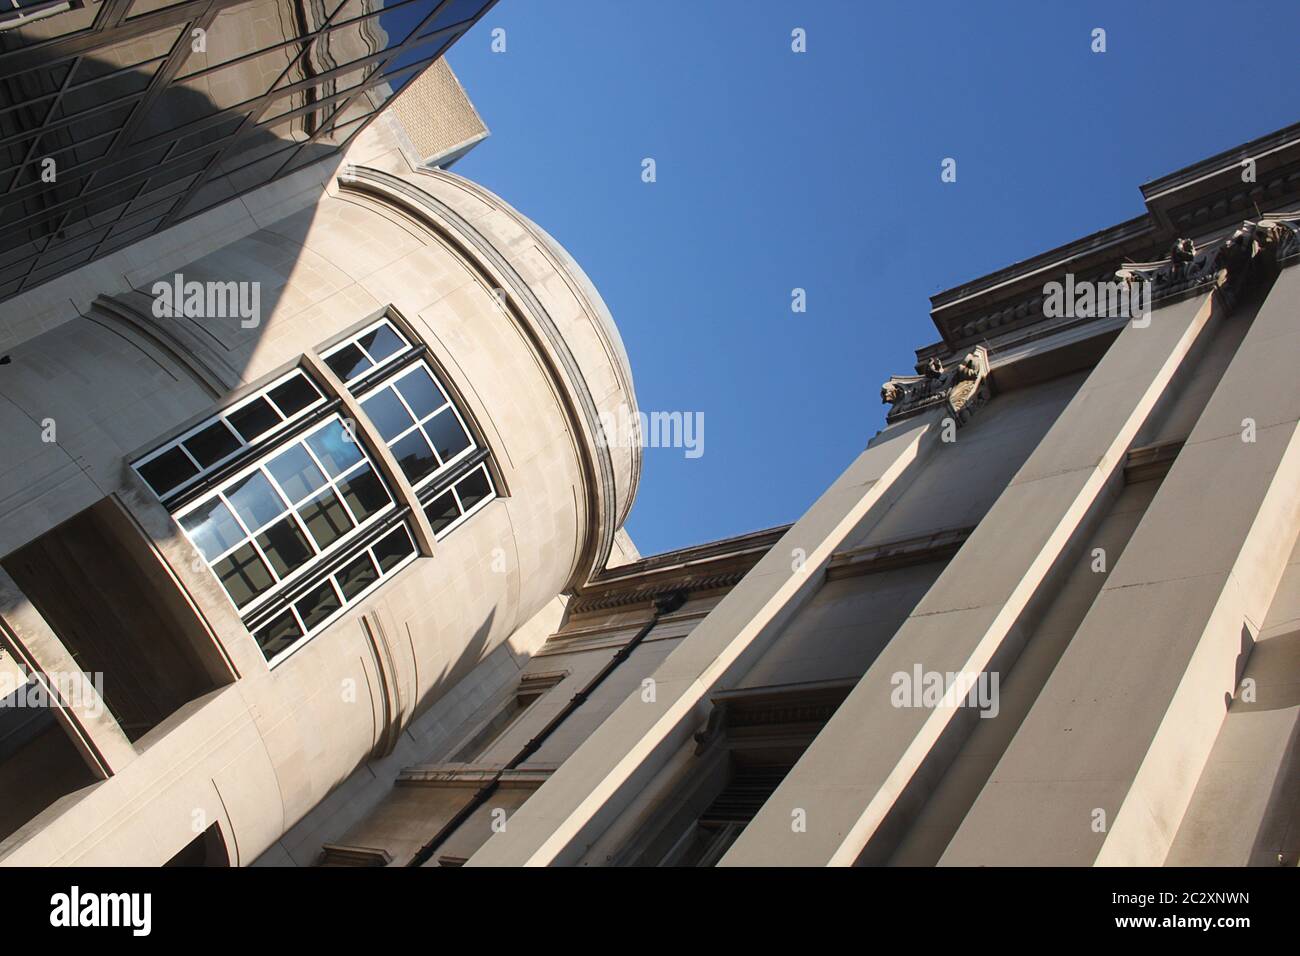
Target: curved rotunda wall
[[518, 335]]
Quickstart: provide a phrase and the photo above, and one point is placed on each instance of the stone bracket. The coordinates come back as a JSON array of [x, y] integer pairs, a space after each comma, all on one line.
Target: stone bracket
[[1225, 263], [961, 388]]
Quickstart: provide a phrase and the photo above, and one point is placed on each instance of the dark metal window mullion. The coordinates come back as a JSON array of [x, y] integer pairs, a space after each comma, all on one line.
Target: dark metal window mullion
[[458, 471]]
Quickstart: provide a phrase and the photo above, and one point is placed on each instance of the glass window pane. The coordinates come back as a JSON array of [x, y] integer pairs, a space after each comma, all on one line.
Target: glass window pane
[[256, 501], [381, 342], [254, 419], [394, 549], [446, 434], [285, 547], [442, 511], [335, 448], [357, 576], [413, 454], [421, 393], [296, 473], [243, 574], [348, 362], [318, 605], [294, 395], [473, 488], [167, 471], [212, 528], [212, 444], [386, 411], [325, 519], [278, 634], [364, 493]]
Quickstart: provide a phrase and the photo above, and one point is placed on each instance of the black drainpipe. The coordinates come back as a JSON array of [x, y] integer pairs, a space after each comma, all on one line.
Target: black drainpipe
[[663, 605]]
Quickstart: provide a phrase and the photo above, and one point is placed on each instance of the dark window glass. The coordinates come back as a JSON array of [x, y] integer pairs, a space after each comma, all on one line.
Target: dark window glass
[[319, 604], [364, 493], [386, 411], [255, 501], [381, 343], [294, 395], [254, 419], [212, 444], [335, 448], [296, 473], [357, 576], [243, 574], [394, 549], [285, 547], [421, 393], [442, 511], [413, 454], [446, 434], [167, 471], [473, 488], [348, 362], [325, 519], [279, 634], [212, 528]]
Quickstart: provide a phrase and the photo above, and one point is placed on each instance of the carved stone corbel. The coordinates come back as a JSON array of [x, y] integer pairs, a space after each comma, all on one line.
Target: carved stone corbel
[[1227, 264], [962, 388]]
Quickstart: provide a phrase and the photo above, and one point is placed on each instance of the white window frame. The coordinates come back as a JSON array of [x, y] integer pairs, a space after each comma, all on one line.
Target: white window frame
[[418, 423], [344, 602], [286, 421], [355, 339], [319, 556]]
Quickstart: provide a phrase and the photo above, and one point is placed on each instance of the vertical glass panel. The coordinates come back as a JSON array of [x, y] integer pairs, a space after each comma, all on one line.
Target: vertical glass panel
[[357, 576], [386, 411], [446, 434], [335, 448], [285, 547], [212, 528], [243, 574], [381, 342], [278, 634], [167, 471], [212, 444], [415, 457], [348, 362], [319, 604], [442, 511], [254, 419], [473, 488], [364, 493], [421, 392], [325, 519], [256, 501], [394, 549], [293, 395], [296, 473]]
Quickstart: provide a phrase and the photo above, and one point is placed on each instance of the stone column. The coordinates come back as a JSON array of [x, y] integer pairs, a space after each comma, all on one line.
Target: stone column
[[605, 773], [1104, 765], [857, 786]]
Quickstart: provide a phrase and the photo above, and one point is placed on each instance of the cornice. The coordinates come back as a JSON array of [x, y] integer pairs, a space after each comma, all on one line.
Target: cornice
[[1196, 203], [699, 568]]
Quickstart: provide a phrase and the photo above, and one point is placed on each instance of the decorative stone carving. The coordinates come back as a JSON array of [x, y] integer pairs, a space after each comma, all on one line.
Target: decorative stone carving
[[1226, 263], [961, 388]]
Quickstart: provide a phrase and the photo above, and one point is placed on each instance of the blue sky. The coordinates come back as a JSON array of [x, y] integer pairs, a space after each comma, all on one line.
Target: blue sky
[[821, 170]]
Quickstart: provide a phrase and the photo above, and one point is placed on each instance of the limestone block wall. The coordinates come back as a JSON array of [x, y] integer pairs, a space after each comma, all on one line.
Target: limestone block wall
[[533, 366]]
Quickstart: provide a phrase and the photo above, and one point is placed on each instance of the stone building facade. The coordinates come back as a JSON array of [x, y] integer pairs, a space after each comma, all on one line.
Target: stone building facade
[[1048, 617], [313, 486]]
